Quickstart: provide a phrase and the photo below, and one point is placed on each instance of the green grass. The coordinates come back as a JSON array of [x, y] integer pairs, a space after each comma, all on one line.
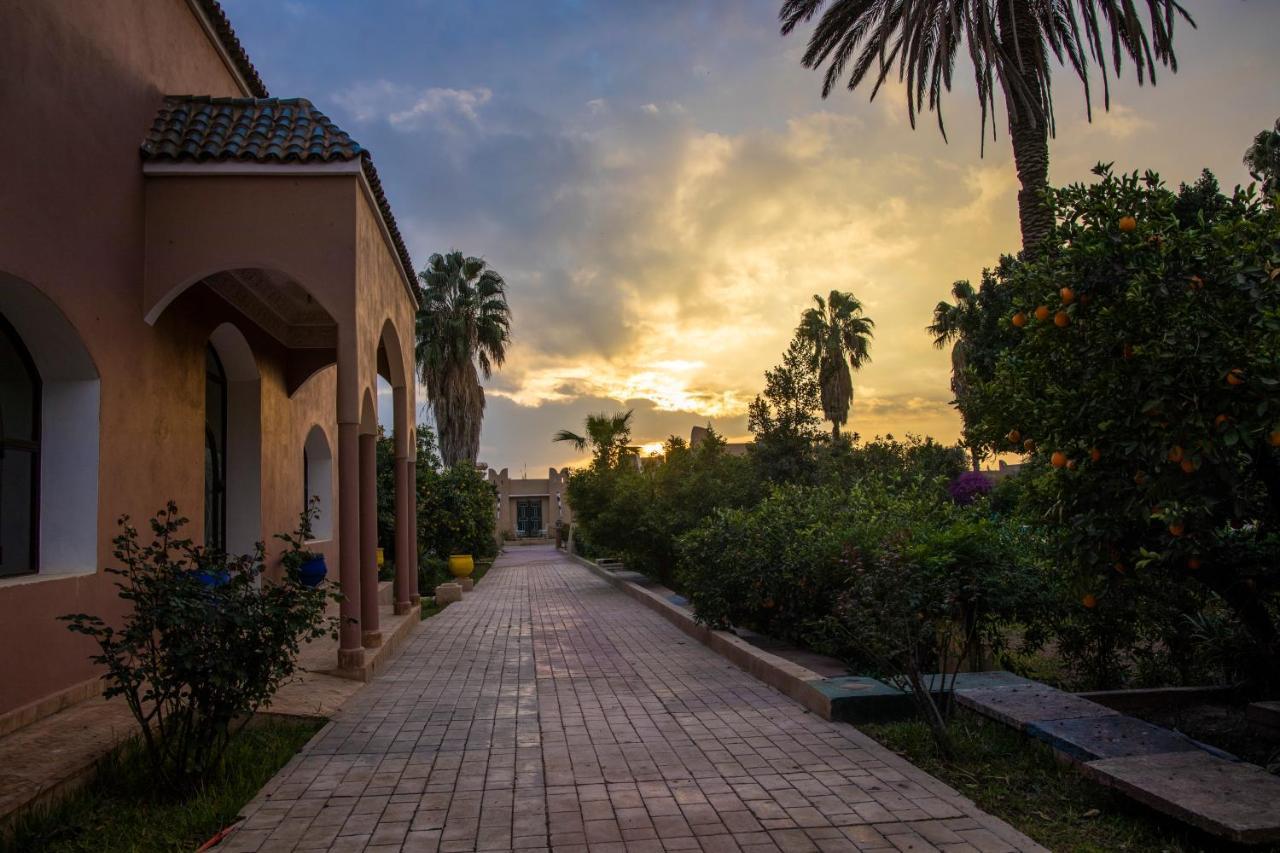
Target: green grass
[[119, 809], [1020, 781]]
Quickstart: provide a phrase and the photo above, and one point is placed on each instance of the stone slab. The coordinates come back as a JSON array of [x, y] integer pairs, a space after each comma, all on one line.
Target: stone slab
[[1030, 703], [859, 699], [1113, 736], [1264, 714], [968, 681], [1233, 800], [448, 593]]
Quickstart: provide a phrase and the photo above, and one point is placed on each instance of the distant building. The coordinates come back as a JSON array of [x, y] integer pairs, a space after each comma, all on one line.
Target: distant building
[[699, 435], [530, 508], [995, 475]]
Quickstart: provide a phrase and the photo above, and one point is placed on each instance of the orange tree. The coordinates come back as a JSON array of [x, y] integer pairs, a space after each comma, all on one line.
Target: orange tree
[[1143, 373]]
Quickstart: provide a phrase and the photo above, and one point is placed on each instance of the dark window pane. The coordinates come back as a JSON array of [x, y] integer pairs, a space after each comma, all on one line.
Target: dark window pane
[[17, 390], [17, 511]]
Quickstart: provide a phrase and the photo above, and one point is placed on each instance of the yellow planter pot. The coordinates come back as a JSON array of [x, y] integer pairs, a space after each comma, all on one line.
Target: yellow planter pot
[[382, 557], [461, 565]]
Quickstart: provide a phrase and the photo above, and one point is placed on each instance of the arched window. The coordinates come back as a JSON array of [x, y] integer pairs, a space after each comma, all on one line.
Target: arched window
[[49, 427], [215, 451], [19, 455], [317, 482]]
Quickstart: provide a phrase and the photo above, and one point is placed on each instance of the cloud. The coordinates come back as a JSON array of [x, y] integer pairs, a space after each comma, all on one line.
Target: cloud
[[442, 104], [1119, 123], [406, 109]]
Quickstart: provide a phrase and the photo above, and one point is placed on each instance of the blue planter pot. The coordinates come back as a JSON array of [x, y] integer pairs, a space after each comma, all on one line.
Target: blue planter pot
[[312, 572], [213, 580]]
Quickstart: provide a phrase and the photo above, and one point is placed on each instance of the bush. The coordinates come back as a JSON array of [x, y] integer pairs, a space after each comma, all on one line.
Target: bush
[[432, 571], [638, 514], [206, 642], [783, 566], [968, 487]]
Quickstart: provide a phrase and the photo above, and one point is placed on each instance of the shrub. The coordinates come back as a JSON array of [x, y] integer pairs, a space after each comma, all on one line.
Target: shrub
[[206, 641], [639, 514], [432, 571], [968, 487]]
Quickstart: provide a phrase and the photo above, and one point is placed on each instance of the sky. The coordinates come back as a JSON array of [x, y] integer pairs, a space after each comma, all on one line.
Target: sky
[[664, 189]]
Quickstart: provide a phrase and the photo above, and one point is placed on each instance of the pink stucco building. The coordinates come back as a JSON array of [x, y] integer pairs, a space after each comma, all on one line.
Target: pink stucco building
[[200, 285]]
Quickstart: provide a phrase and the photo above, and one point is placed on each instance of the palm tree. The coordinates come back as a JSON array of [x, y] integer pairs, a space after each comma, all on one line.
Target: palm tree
[[1012, 45], [948, 327], [608, 437], [463, 322], [837, 339]]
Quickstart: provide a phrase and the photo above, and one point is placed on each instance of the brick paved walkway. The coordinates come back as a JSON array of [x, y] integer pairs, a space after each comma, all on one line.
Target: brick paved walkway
[[550, 711]]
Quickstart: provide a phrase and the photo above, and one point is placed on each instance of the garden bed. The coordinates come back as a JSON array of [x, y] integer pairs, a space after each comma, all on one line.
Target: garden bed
[[121, 808]]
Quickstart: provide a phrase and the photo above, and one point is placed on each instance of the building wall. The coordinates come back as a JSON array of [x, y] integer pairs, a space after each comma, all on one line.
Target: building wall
[[552, 490], [83, 81]]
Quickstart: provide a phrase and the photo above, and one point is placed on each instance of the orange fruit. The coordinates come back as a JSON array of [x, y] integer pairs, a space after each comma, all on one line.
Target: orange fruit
[[1085, 299], [1029, 446], [1042, 313], [1235, 376], [1068, 295], [1196, 283], [1139, 478], [1188, 466], [1062, 319], [1058, 459], [1193, 562], [1120, 567], [1128, 223], [1095, 454], [1019, 320], [1175, 454], [1177, 529], [1126, 352], [1014, 436], [1273, 438], [1220, 420], [1089, 600]]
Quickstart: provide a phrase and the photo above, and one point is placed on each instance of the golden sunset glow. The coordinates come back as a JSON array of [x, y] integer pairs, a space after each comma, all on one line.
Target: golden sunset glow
[[663, 224]]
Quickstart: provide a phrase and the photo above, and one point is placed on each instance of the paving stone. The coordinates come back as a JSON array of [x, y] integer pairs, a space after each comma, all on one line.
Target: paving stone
[[1022, 704], [1112, 736], [550, 710], [1230, 799]]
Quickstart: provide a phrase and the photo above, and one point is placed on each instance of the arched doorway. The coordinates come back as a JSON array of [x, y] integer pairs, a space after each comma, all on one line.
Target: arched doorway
[[233, 443]]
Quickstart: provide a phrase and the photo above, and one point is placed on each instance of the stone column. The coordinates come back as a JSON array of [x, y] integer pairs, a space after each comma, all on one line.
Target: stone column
[[370, 636], [350, 647], [406, 585]]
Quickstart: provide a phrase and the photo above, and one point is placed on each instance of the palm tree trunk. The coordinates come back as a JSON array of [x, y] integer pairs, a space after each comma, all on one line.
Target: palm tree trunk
[[835, 432], [1028, 127]]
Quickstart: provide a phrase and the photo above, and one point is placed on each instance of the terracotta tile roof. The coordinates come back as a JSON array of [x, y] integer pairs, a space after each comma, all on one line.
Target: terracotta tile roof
[[231, 44], [201, 128]]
